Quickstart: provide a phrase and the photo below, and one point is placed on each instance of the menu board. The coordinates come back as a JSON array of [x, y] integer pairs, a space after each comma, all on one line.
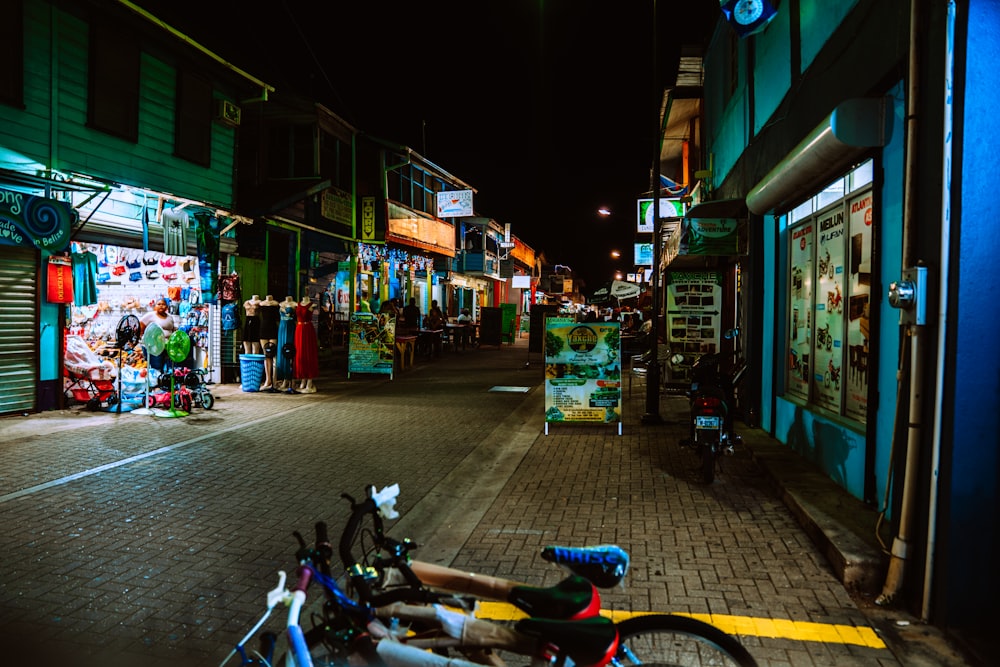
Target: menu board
[[694, 316], [583, 371], [371, 343]]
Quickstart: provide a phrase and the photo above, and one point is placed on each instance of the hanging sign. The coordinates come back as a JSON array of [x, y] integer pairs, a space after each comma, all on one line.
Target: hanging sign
[[27, 220], [60, 279]]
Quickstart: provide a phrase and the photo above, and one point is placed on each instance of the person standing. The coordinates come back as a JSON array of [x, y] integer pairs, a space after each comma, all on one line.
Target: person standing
[[160, 315], [411, 315], [306, 347]]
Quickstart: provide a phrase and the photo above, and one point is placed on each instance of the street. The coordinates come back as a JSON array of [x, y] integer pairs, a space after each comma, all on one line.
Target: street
[[135, 540]]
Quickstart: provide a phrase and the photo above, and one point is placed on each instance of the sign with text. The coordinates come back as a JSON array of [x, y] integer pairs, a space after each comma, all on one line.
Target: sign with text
[[371, 344], [582, 371], [669, 208], [454, 203], [27, 220]]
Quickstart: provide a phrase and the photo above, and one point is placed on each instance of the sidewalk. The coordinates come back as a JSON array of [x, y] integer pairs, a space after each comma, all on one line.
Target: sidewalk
[[577, 467]]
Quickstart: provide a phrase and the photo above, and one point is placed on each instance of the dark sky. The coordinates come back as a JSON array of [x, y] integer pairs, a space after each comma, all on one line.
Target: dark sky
[[546, 107]]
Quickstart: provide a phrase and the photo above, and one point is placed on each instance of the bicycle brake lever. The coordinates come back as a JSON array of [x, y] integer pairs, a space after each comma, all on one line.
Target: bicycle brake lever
[[278, 594]]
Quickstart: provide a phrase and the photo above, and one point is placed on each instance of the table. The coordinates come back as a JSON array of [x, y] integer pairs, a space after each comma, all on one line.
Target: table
[[405, 348], [429, 340], [459, 333]]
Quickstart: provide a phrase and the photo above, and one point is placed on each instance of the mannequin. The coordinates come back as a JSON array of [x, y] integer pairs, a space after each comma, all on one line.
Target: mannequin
[[306, 347], [251, 326], [284, 364], [267, 311]]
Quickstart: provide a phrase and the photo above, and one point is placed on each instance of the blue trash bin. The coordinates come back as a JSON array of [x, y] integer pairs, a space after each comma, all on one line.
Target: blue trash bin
[[251, 371]]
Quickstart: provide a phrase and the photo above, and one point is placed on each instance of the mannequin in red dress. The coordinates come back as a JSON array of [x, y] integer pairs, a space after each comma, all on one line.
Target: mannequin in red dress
[[306, 347]]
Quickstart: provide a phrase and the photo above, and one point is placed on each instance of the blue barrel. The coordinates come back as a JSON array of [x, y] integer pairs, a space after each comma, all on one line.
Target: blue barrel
[[251, 371]]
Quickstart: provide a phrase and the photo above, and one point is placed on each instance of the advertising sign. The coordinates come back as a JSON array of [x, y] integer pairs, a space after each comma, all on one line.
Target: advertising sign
[[800, 303], [27, 220], [583, 377], [859, 281], [829, 339], [454, 203], [694, 316], [669, 208], [372, 343]]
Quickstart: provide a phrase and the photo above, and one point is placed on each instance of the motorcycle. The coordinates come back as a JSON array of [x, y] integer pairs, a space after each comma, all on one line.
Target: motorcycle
[[712, 402]]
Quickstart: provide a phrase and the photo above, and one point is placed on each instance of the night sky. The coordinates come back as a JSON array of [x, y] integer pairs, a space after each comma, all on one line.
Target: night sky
[[546, 107]]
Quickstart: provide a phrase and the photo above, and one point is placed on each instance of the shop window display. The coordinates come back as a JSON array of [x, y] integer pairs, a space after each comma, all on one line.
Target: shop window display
[[128, 282], [829, 285]]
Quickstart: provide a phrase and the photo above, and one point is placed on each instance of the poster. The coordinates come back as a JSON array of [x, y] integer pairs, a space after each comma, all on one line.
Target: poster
[[829, 338], [371, 344], [694, 316], [859, 281], [583, 376], [801, 308]]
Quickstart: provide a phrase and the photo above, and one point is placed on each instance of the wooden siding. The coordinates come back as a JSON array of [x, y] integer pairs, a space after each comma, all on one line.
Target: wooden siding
[[150, 163]]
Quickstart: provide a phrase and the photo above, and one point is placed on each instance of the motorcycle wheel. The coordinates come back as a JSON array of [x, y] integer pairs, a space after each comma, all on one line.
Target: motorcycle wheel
[[207, 400], [707, 464]]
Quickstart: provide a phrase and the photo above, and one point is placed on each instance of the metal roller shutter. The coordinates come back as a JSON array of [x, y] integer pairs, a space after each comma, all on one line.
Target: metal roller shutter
[[19, 329]]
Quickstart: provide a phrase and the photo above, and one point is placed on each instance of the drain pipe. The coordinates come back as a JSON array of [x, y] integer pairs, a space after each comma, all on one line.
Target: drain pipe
[[942, 317], [902, 295]]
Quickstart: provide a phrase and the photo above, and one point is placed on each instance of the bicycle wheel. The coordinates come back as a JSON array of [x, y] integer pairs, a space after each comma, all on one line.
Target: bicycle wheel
[[677, 641]]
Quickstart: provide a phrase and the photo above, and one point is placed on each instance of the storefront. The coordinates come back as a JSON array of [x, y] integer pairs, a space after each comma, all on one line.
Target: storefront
[[128, 282], [32, 229]]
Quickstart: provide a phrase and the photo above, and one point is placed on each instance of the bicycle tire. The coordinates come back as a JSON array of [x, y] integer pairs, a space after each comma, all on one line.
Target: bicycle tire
[[677, 641]]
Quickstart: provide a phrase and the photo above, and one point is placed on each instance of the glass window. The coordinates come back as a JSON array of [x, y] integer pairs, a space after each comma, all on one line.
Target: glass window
[[829, 287]]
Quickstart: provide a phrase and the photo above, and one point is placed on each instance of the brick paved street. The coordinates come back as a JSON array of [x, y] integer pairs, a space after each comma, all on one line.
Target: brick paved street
[[136, 540]]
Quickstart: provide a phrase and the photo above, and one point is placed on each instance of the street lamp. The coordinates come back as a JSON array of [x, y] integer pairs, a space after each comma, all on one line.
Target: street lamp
[[615, 254]]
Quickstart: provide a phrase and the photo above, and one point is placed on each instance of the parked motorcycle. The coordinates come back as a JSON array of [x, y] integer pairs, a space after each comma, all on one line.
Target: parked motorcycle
[[712, 403]]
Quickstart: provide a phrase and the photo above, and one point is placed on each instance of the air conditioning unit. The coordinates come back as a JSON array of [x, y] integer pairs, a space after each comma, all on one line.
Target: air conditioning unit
[[229, 113]]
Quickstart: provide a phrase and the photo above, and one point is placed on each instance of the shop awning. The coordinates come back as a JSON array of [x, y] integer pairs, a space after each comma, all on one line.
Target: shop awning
[[843, 137]]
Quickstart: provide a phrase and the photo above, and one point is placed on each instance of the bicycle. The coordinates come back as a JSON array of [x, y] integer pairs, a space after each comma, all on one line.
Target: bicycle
[[402, 612]]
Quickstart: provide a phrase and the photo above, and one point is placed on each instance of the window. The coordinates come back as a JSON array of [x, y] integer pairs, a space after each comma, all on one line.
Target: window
[[292, 151], [829, 287], [113, 94], [12, 55], [193, 130]]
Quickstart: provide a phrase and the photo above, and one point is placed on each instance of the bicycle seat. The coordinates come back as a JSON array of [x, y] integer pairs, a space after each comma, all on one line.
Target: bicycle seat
[[572, 598], [604, 565], [592, 641]]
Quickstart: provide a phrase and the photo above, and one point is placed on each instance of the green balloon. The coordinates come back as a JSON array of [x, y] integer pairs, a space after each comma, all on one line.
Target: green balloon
[[178, 346], [153, 339]]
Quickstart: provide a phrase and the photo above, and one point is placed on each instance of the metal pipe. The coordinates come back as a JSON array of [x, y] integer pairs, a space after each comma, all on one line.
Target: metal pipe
[[949, 79], [900, 546], [652, 414]]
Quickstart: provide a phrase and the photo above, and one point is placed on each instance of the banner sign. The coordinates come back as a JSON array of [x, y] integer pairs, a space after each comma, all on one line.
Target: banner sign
[[710, 236], [371, 344], [27, 220], [583, 377]]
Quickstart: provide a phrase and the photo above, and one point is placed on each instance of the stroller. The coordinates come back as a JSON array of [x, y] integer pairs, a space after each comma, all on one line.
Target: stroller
[[87, 378]]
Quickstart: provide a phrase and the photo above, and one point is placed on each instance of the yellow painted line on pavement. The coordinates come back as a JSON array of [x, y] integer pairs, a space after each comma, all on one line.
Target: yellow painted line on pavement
[[747, 626]]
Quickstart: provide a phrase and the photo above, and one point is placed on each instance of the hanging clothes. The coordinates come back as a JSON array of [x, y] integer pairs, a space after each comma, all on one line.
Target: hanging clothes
[[306, 347], [84, 278], [175, 225], [284, 363]]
